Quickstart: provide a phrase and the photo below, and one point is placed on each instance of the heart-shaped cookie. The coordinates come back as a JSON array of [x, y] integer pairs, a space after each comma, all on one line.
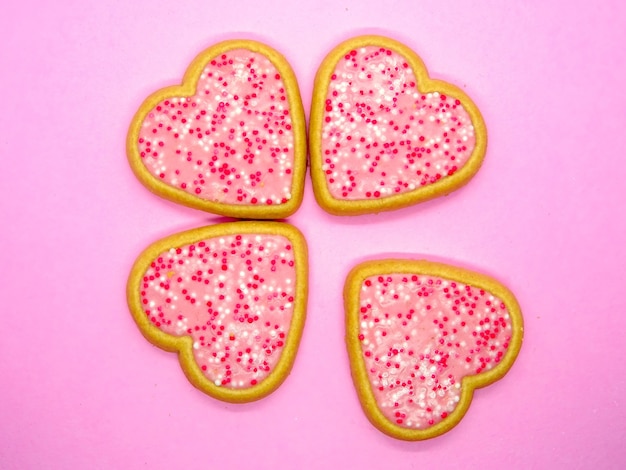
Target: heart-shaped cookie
[[230, 140], [421, 337], [383, 135], [230, 299]]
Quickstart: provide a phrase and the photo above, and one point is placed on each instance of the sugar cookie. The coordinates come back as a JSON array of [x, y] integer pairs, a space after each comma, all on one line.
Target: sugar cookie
[[421, 337], [231, 139], [230, 299], [383, 135]]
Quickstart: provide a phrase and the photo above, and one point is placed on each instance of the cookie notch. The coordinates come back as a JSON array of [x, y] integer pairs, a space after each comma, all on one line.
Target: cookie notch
[[183, 345], [424, 85], [469, 383], [188, 88]]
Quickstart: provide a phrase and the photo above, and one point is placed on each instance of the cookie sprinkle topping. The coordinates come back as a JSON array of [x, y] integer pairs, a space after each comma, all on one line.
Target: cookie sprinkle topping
[[232, 142], [420, 335], [381, 136], [234, 295]]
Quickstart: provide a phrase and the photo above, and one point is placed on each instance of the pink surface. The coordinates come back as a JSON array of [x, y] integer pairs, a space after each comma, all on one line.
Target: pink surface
[[81, 388]]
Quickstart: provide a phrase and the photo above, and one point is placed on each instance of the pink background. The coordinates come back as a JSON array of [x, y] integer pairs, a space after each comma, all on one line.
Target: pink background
[[81, 388]]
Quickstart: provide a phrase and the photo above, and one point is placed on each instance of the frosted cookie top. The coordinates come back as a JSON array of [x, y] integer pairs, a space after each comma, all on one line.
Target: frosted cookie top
[[383, 137], [421, 337], [383, 134], [230, 140], [233, 295], [230, 298]]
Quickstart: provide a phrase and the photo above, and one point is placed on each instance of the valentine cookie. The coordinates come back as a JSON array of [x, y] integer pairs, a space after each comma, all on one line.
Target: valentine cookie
[[231, 139], [421, 337], [230, 299], [383, 135]]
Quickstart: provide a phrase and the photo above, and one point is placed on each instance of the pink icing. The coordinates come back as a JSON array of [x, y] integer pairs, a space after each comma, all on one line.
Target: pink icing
[[381, 136], [233, 295], [232, 141], [420, 336]]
